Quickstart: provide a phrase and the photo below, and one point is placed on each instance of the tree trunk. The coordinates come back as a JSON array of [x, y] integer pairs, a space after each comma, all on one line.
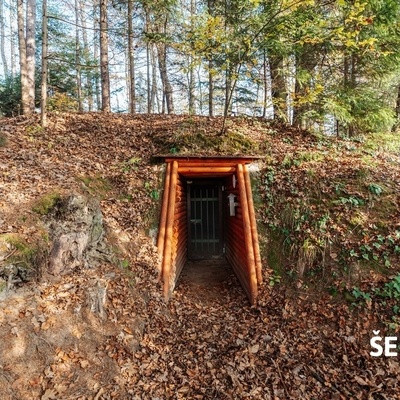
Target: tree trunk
[[228, 92], [12, 42], [30, 51], [96, 55], [149, 103], [278, 88], [306, 61], [22, 59], [2, 36], [88, 74], [192, 98], [150, 100], [191, 93], [154, 89], [210, 9], [43, 100], [131, 60], [167, 88], [265, 85], [78, 59], [104, 68], [397, 110]]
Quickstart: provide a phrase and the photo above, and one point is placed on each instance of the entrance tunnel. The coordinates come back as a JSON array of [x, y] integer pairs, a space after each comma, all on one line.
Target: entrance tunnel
[[208, 213]]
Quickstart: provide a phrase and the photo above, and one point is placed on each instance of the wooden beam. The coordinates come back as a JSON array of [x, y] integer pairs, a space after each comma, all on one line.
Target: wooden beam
[[163, 216], [211, 170], [253, 225], [166, 266], [248, 235]]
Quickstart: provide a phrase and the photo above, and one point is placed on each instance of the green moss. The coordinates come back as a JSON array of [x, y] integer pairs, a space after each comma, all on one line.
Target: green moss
[[44, 205], [26, 255], [190, 139], [97, 185], [236, 142]]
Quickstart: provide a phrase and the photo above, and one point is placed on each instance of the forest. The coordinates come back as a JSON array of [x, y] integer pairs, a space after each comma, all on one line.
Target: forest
[[328, 65]]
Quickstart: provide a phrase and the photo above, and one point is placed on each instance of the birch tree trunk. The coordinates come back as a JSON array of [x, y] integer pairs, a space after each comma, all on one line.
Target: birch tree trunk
[[22, 58], [210, 8], [192, 109], [131, 60], [96, 55], [265, 85], [154, 88], [12, 42], [78, 59], [43, 99], [30, 51], [88, 84], [2, 41], [104, 67]]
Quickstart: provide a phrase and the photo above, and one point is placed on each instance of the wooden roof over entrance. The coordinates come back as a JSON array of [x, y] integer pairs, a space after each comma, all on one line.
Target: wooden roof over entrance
[[234, 160]]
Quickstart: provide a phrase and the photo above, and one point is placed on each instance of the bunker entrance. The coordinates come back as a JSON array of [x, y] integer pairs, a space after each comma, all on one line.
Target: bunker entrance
[[207, 214]]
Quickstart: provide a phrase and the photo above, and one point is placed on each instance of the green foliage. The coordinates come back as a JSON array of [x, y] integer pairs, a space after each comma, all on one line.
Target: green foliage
[[390, 289], [361, 108], [132, 164], [358, 294], [274, 279], [10, 96], [153, 193], [62, 102], [384, 141], [351, 200], [374, 188], [299, 158]]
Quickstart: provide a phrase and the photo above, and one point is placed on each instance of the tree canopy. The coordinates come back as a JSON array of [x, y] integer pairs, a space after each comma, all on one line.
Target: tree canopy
[[330, 65]]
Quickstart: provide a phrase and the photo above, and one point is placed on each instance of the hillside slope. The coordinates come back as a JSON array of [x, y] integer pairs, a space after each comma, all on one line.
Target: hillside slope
[[329, 223]]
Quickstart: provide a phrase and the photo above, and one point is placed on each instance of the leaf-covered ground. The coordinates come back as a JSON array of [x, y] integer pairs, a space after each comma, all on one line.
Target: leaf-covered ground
[[207, 342]]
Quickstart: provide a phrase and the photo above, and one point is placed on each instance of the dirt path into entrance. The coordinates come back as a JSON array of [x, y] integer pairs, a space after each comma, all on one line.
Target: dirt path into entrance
[[208, 281]]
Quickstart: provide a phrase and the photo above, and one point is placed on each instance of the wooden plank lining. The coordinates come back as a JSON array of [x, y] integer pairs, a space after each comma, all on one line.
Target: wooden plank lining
[[163, 216], [166, 266], [253, 225], [248, 236]]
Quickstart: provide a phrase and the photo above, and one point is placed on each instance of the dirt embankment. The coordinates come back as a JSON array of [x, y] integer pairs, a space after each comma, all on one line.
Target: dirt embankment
[[102, 331]]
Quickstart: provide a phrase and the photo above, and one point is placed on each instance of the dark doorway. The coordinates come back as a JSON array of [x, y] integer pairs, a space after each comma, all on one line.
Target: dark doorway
[[204, 203]]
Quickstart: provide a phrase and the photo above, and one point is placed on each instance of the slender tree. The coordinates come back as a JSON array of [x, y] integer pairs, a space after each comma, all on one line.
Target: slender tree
[[43, 100], [131, 60], [2, 37], [104, 62], [78, 59], [30, 51], [22, 60]]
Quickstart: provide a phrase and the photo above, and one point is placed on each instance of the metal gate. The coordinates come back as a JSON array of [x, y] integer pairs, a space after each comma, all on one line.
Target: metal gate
[[205, 220]]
